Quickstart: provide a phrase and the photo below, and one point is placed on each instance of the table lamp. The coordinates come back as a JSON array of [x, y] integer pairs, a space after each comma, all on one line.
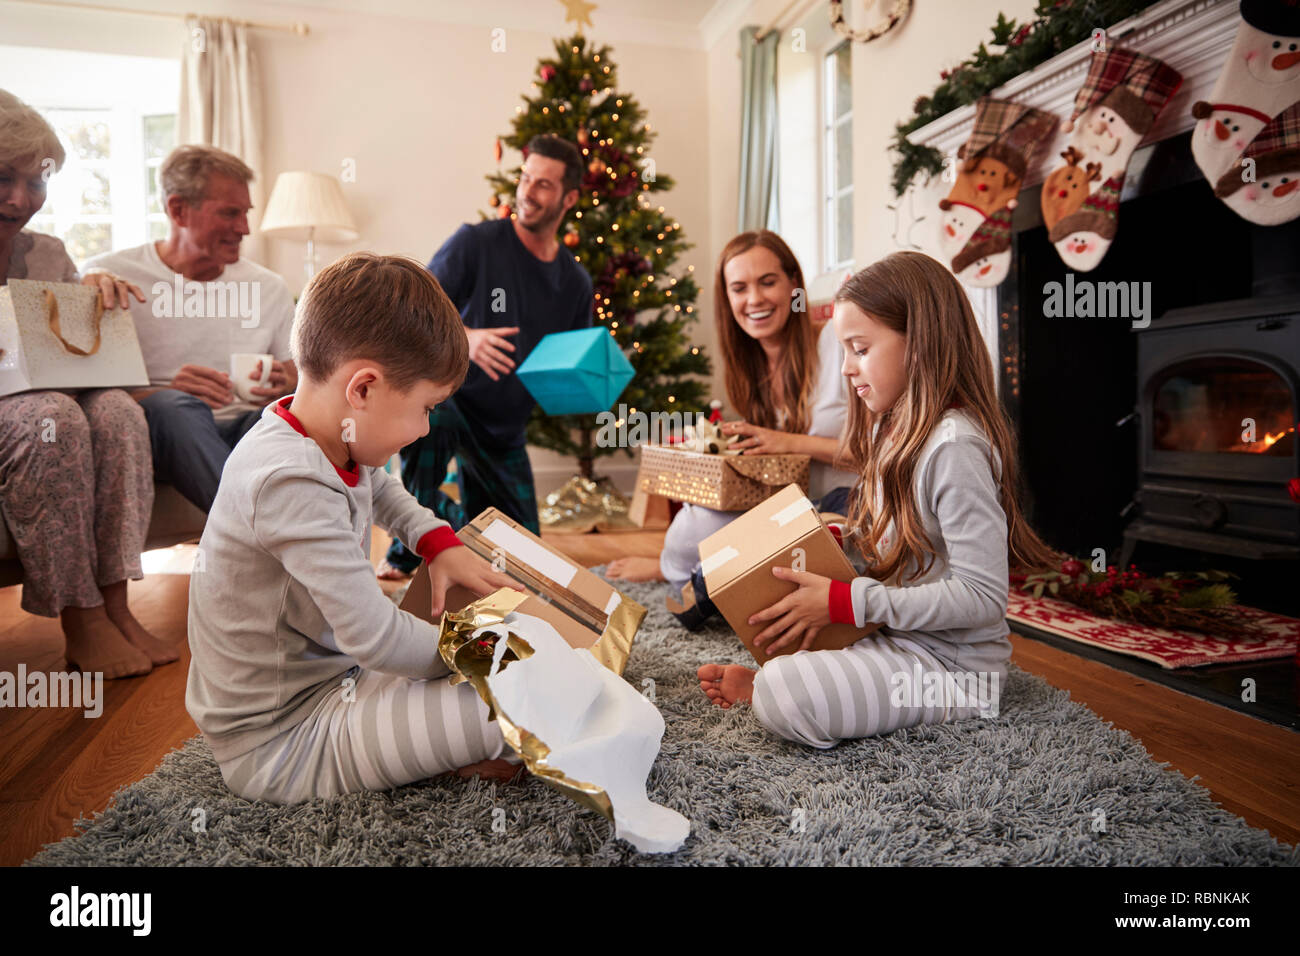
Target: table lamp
[[308, 206]]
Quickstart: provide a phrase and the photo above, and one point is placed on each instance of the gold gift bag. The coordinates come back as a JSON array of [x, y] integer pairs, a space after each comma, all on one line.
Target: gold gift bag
[[56, 335]]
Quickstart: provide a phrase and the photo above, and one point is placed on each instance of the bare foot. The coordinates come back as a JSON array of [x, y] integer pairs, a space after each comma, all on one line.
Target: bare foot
[[499, 769], [155, 648], [386, 572], [95, 645], [634, 569], [727, 684]]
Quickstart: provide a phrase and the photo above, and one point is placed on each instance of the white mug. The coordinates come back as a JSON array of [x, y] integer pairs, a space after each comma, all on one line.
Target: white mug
[[241, 370]]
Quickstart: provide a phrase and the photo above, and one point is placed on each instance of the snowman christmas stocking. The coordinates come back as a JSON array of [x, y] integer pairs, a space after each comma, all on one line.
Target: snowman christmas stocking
[[1116, 106], [1004, 143], [1263, 186], [1260, 79]]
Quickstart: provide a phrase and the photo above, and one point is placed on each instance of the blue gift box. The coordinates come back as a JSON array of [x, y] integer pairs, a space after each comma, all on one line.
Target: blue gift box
[[576, 373]]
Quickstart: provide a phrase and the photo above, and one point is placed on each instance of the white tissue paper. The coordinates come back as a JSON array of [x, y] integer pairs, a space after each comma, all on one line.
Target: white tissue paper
[[599, 729]]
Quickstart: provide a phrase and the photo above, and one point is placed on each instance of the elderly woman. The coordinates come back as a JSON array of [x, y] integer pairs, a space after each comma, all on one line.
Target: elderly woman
[[78, 507]]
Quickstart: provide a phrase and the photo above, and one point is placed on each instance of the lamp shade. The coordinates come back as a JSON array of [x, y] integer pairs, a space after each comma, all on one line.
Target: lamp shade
[[307, 206]]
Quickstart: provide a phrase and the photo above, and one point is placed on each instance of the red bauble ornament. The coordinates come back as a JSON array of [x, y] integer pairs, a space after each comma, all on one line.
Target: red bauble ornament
[[586, 85], [570, 239], [494, 201], [547, 72], [1073, 568], [505, 211]]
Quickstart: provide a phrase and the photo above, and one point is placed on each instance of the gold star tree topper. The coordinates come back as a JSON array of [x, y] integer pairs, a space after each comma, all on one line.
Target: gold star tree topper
[[579, 11]]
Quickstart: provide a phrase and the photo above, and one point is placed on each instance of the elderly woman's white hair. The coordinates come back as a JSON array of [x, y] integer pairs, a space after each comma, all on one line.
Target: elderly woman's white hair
[[26, 140]]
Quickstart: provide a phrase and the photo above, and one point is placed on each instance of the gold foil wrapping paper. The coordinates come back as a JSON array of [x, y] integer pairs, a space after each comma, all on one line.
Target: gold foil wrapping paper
[[582, 504], [615, 644], [469, 654]]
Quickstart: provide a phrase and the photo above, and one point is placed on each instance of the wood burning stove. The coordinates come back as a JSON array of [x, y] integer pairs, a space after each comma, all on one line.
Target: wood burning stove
[[1218, 411]]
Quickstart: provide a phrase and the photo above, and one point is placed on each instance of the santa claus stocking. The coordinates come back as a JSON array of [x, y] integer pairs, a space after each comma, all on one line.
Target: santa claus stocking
[[1260, 79], [1116, 106], [1004, 143], [1263, 186]]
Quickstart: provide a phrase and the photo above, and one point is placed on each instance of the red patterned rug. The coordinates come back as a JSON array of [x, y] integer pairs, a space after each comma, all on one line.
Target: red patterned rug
[[1169, 649]]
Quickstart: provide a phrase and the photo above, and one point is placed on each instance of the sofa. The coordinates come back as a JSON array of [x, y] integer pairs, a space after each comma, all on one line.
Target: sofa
[[174, 520]]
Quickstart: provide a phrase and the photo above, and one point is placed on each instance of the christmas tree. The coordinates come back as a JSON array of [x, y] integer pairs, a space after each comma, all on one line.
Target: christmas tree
[[619, 234]]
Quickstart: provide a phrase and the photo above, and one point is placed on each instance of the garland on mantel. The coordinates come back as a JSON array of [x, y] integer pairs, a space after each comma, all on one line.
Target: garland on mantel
[[1059, 25]]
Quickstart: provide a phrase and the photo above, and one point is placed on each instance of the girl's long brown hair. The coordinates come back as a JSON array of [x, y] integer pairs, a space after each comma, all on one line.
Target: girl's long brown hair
[[749, 387], [945, 361]]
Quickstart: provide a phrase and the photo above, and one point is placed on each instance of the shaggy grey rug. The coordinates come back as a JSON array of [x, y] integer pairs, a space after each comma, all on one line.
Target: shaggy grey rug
[[1028, 787]]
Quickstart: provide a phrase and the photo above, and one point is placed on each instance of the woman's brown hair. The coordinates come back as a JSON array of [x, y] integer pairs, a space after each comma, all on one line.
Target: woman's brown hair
[[945, 362], [749, 387]]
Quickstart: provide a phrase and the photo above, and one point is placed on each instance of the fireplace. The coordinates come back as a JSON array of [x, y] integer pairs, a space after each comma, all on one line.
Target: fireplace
[[1217, 413], [1132, 439]]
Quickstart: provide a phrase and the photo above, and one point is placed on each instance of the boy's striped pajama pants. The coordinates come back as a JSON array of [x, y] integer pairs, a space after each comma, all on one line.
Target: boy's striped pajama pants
[[819, 698], [392, 731]]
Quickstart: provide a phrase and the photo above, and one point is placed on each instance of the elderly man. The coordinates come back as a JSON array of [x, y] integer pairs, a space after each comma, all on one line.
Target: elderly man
[[203, 303]]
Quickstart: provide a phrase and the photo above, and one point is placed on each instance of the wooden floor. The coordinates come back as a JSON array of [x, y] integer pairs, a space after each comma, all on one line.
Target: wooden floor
[[56, 765]]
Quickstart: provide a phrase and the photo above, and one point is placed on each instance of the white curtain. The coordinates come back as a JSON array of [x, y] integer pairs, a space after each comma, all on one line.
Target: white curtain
[[758, 207], [221, 103]]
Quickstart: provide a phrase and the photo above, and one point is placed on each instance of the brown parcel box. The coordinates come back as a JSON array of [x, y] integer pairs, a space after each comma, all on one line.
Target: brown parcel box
[[737, 562], [584, 609]]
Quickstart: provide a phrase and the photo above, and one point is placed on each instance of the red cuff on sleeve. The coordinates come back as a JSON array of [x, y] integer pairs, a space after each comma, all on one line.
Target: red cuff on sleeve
[[436, 541], [840, 604]]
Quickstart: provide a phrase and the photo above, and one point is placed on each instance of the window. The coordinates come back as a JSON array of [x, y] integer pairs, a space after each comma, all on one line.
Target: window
[[106, 195], [837, 158], [116, 118]]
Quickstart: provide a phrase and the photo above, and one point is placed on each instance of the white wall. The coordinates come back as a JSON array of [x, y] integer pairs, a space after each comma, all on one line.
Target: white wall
[[418, 105]]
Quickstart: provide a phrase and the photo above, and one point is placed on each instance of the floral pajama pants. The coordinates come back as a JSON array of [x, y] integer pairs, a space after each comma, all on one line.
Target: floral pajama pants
[[76, 491]]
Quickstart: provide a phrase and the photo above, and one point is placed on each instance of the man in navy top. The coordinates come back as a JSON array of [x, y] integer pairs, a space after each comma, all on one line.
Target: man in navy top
[[513, 284]]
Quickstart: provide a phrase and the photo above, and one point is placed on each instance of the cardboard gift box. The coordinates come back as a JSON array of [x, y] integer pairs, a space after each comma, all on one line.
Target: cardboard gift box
[[737, 563], [584, 609], [56, 335], [576, 373], [724, 482]]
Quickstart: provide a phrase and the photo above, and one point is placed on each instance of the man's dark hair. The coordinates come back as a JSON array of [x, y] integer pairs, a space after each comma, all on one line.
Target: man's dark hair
[[553, 147]]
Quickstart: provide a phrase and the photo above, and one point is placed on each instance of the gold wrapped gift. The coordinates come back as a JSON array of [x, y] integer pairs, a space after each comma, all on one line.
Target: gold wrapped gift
[[587, 611], [722, 482]]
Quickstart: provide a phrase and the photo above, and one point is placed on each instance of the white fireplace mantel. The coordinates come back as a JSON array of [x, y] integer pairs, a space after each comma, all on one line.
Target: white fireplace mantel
[[1192, 36]]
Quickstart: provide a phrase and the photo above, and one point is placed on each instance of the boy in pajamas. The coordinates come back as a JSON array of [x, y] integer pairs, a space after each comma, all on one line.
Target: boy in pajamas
[[305, 679]]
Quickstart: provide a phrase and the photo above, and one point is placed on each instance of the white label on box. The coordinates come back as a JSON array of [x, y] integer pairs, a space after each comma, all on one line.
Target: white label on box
[[527, 551], [612, 603], [718, 558], [790, 512]]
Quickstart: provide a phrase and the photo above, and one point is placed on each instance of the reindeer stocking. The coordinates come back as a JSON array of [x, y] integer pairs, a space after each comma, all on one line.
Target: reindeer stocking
[[1116, 106], [1004, 143]]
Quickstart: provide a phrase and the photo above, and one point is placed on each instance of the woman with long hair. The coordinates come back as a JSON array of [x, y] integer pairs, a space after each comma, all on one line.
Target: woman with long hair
[[938, 530], [782, 379]]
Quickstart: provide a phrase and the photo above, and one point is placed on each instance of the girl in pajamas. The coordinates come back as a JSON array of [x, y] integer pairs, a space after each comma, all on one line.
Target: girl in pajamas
[[937, 532]]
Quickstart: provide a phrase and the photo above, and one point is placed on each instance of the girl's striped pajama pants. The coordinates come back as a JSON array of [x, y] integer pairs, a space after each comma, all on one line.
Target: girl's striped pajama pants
[[875, 686]]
